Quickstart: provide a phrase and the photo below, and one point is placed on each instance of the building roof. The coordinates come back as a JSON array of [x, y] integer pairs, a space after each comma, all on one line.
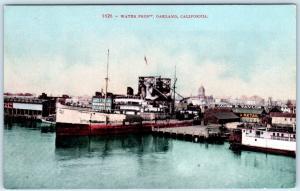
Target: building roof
[[29, 100], [278, 114], [218, 109], [248, 110], [275, 109], [225, 115]]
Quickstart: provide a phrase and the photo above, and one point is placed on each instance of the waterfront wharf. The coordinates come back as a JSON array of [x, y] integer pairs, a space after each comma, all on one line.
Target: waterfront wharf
[[197, 133]]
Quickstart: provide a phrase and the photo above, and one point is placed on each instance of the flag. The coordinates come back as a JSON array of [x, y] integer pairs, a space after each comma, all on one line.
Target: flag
[[146, 60]]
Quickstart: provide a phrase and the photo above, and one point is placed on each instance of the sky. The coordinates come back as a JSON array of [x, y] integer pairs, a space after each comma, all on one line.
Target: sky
[[237, 50]]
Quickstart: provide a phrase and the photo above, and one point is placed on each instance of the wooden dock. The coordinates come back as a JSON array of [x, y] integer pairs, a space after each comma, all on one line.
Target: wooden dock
[[197, 133]]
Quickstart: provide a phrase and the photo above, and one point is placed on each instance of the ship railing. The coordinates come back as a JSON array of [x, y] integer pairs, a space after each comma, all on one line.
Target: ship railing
[[283, 138], [293, 139], [274, 138], [75, 108]]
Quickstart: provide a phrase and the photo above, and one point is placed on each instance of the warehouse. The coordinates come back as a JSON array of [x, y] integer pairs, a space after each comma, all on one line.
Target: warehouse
[[250, 115]]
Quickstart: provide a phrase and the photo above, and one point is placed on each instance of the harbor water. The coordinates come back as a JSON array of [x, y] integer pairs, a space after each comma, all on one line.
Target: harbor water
[[38, 160]]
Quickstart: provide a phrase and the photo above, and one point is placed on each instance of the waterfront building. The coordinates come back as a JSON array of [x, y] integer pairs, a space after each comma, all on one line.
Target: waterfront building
[[201, 99], [223, 118], [283, 119], [22, 106], [29, 106], [8, 94], [250, 115], [220, 116]]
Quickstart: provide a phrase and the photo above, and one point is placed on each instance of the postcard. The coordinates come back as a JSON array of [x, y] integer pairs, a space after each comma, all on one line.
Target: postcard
[[149, 96]]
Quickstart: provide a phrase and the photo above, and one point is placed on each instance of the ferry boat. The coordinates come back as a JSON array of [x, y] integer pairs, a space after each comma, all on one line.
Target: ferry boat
[[263, 139]]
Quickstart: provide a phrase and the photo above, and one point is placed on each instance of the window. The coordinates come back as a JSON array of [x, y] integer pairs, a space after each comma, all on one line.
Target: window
[[281, 134], [273, 134]]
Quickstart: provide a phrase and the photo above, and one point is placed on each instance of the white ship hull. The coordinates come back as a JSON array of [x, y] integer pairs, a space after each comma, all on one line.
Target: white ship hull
[[66, 114], [269, 141]]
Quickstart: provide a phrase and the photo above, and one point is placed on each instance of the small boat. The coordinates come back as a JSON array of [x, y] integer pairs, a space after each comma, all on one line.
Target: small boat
[[48, 122]]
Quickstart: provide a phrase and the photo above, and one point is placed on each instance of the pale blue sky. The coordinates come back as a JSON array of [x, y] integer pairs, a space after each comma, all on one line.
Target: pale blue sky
[[238, 50]]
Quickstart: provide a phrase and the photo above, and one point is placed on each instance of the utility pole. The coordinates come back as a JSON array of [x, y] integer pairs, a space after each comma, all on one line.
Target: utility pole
[[106, 79], [174, 91]]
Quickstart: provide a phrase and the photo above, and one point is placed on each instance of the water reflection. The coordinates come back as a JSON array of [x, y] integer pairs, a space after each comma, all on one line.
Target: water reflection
[[103, 146], [237, 153], [135, 161], [24, 124]]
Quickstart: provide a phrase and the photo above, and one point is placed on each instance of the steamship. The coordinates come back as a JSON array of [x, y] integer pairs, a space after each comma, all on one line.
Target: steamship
[[263, 139], [152, 107], [82, 122]]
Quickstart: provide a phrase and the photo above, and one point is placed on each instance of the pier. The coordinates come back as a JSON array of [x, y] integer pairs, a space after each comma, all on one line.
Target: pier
[[199, 133]]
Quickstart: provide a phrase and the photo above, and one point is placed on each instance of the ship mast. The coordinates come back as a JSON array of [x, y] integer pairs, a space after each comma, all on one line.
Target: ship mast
[[106, 79]]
